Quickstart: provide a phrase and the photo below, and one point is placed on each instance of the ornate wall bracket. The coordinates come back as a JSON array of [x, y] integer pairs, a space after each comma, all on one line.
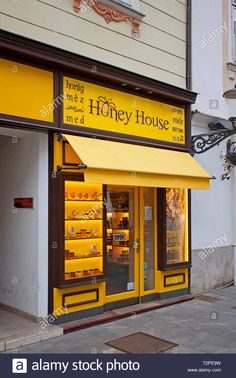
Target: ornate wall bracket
[[204, 142], [108, 13]]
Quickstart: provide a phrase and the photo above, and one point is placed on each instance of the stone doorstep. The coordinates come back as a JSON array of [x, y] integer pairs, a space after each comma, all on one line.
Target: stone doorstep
[[124, 312], [16, 341]]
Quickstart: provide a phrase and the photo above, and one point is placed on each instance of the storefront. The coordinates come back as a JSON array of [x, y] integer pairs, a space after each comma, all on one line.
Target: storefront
[[120, 176]]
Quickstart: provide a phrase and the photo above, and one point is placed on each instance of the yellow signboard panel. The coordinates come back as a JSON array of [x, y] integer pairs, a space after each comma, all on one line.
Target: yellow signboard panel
[[26, 91], [90, 105], [174, 280]]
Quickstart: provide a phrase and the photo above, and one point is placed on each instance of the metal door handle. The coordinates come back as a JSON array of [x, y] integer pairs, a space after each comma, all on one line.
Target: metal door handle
[[136, 244]]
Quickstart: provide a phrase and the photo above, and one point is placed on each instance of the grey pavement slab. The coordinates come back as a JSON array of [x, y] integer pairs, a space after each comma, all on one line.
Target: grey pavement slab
[[17, 331], [197, 326]]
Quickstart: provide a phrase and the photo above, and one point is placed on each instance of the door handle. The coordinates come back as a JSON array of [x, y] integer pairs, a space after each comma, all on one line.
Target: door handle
[[136, 244]]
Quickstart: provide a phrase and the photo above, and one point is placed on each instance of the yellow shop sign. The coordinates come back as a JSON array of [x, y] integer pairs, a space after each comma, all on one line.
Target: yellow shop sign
[[26, 91], [93, 106]]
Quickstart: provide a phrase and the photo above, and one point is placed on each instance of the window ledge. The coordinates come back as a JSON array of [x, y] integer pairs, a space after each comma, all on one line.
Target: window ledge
[[111, 11], [125, 8], [231, 66]]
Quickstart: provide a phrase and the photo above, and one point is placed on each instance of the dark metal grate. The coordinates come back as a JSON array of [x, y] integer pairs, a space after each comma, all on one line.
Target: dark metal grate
[[207, 298], [140, 342]]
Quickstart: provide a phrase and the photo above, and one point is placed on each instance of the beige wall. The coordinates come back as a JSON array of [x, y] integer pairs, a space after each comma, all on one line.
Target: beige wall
[[159, 53]]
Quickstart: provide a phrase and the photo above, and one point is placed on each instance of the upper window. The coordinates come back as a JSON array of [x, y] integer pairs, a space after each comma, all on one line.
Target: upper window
[[129, 2], [234, 31], [134, 4]]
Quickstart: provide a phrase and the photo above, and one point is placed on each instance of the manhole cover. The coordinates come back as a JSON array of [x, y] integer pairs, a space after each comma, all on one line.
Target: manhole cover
[[140, 342], [207, 298]]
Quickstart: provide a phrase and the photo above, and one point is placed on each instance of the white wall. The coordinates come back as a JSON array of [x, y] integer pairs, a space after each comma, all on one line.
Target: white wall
[[159, 53], [211, 210], [212, 232], [207, 58], [24, 234]]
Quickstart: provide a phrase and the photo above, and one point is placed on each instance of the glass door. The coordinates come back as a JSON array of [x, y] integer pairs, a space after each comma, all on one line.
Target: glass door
[[122, 243], [131, 243]]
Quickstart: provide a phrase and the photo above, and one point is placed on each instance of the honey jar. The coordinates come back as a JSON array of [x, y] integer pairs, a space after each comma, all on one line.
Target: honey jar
[[79, 196], [74, 213], [83, 233], [86, 196], [72, 195], [93, 234]]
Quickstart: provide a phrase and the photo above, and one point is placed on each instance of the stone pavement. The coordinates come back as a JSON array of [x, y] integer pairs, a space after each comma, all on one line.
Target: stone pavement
[[16, 331], [197, 326]]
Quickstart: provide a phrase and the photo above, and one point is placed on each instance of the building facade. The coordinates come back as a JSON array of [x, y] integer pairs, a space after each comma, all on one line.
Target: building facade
[[213, 62], [96, 143]]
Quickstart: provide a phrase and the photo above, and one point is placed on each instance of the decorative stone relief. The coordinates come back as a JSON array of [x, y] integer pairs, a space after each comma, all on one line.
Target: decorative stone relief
[[108, 13]]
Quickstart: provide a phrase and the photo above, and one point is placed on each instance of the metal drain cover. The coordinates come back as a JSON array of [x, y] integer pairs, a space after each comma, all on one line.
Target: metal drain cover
[[140, 342]]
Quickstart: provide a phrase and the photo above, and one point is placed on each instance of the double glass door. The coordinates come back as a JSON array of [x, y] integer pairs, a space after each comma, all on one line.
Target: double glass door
[[131, 245]]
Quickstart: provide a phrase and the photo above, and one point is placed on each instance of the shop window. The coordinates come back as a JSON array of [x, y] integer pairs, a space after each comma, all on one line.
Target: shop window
[[173, 228], [83, 209], [78, 243]]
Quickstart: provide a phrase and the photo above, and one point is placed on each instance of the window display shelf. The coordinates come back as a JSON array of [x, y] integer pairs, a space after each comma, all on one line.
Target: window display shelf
[[75, 200], [81, 239], [83, 220], [69, 276], [113, 244], [83, 258], [118, 229], [118, 210]]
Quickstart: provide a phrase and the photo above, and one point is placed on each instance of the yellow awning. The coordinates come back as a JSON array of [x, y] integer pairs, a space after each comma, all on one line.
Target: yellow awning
[[117, 163]]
